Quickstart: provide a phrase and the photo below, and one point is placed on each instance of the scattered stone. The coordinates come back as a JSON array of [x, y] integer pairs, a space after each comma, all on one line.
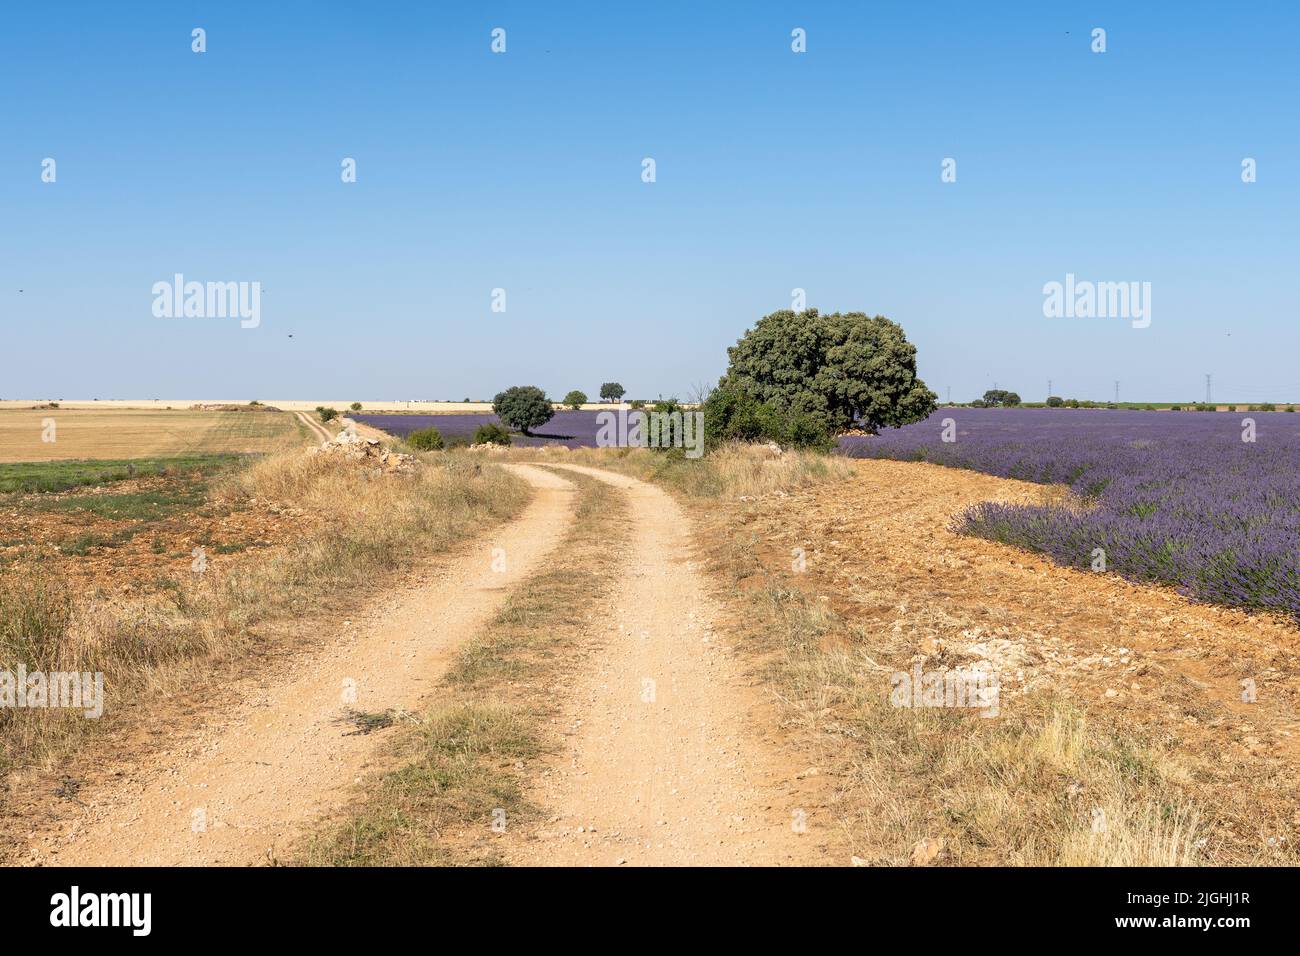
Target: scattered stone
[[926, 850]]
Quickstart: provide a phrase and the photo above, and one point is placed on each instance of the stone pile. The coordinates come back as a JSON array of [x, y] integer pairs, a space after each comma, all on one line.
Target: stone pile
[[371, 451]]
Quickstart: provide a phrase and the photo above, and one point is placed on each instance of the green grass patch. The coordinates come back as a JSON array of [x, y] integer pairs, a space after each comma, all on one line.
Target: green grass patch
[[50, 476], [141, 506]]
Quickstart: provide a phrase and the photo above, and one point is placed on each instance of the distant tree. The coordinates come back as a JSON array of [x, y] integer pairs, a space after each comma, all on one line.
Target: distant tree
[[612, 392], [523, 407], [327, 414], [840, 370], [355, 406], [1000, 396], [575, 399], [1055, 401]]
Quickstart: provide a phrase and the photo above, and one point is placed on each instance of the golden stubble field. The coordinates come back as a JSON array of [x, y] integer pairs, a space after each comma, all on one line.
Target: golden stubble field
[[57, 434]]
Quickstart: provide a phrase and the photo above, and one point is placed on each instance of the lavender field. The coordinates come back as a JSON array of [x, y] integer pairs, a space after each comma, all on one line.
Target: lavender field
[[1171, 497], [569, 428]]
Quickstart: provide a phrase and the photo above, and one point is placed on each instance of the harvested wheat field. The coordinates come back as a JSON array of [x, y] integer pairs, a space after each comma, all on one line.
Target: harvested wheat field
[[54, 433]]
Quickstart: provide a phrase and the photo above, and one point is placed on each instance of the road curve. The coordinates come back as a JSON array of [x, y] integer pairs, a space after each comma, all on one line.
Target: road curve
[[250, 777]]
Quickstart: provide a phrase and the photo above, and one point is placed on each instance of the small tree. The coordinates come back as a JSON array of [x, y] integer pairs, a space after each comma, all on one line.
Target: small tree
[[1055, 401], [327, 414], [575, 399], [355, 406], [523, 407], [612, 392]]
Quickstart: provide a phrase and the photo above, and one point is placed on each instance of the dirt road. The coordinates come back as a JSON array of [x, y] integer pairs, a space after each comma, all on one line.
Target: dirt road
[[249, 778], [315, 427], [662, 764]]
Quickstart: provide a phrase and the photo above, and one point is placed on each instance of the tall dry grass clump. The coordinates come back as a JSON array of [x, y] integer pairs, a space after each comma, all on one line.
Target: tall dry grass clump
[[371, 522]]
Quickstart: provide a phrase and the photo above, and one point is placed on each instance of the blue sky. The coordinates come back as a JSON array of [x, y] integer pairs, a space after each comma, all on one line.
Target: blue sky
[[522, 171]]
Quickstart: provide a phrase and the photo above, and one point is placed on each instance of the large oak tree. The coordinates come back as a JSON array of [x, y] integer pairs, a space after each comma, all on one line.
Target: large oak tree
[[845, 370]]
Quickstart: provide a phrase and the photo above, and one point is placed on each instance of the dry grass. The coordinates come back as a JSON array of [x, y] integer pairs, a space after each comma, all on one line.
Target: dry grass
[[150, 650], [117, 433], [467, 759], [1039, 786]]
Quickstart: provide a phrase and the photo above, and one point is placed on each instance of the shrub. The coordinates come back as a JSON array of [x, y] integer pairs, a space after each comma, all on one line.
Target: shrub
[[425, 439], [327, 414], [523, 407], [491, 434], [637, 403], [731, 413], [575, 399], [355, 406], [1055, 401]]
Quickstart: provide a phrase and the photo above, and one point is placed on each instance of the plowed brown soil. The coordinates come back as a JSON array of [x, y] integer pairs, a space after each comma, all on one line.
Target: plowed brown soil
[[1143, 659]]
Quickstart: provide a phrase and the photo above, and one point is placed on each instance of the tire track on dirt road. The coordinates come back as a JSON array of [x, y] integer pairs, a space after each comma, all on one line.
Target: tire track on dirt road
[[284, 756], [663, 760]]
